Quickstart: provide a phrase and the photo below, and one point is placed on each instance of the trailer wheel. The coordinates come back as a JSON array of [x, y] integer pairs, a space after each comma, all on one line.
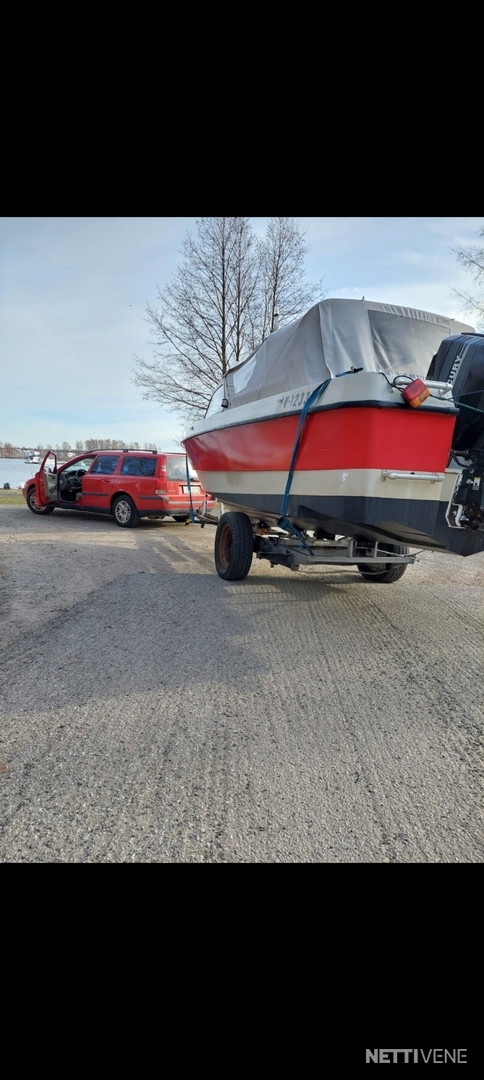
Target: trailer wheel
[[385, 572], [234, 546]]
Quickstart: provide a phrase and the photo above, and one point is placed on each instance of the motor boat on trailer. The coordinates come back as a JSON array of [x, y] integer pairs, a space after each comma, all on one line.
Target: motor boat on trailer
[[350, 435]]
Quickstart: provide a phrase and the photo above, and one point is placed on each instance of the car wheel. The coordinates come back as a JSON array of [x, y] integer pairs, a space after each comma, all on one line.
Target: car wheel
[[385, 572], [125, 513], [234, 546], [34, 506]]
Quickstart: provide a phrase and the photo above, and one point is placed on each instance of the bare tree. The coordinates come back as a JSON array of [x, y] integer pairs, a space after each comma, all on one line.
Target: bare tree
[[202, 326], [472, 259], [219, 306], [284, 291]]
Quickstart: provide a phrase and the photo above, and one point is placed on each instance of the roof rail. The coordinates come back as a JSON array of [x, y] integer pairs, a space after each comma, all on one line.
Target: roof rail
[[118, 450]]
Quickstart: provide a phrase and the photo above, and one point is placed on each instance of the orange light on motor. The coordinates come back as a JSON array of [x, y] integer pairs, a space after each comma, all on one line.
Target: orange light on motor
[[416, 392]]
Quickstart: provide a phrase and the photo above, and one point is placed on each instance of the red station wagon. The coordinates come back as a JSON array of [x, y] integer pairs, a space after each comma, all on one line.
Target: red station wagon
[[128, 484]]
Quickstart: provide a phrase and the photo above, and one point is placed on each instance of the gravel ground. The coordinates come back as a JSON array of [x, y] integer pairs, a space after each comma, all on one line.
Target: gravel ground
[[154, 713]]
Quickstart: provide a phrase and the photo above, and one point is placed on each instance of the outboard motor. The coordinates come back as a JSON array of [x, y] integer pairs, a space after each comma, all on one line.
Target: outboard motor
[[460, 362]]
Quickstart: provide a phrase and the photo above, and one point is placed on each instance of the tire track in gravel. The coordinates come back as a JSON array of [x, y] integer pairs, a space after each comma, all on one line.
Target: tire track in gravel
[[167, 716], [392, 760]]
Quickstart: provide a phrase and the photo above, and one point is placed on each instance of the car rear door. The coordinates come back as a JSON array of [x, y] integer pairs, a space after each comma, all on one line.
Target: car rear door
[[98, 483], [137, 477]]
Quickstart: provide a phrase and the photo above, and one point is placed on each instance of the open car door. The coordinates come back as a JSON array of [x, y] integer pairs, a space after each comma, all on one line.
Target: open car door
[[46, 480]]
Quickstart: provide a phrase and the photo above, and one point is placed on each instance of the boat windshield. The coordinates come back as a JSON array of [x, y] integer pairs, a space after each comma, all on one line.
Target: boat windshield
[[216, 402]]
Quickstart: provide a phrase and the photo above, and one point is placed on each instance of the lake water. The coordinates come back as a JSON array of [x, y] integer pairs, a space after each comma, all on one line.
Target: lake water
[[15, 472]]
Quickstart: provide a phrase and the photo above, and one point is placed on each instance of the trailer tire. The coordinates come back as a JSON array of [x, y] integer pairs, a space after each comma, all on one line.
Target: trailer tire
[[383, 573], [234, 546]]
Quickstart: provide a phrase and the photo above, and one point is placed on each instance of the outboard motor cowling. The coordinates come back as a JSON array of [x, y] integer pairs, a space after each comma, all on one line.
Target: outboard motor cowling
[[460, 361]]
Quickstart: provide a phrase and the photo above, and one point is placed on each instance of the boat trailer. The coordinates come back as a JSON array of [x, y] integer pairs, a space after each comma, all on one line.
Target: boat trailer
[[281, 549], [237, 540]]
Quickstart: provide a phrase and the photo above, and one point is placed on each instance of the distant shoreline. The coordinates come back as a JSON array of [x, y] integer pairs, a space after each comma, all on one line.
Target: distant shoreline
[[21, 457]]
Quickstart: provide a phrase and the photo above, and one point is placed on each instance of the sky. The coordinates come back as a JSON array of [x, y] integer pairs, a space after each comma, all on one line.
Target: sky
[[73, 296]]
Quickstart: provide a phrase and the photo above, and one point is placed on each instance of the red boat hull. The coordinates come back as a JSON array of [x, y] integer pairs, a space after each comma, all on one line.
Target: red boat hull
[[346, 437]]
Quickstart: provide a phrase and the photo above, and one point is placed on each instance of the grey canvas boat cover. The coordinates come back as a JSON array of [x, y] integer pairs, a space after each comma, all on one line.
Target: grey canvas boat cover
[[336, 335]]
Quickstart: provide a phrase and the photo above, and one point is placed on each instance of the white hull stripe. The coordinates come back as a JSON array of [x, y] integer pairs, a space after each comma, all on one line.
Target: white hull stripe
[[362, 483]]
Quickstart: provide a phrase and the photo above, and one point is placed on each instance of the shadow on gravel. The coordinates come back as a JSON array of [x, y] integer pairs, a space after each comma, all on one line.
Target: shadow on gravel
[[154, 630]]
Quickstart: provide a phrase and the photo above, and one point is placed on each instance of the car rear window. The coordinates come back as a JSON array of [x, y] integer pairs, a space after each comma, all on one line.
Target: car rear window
[[105, 464], [176, 469], [138, 466]]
